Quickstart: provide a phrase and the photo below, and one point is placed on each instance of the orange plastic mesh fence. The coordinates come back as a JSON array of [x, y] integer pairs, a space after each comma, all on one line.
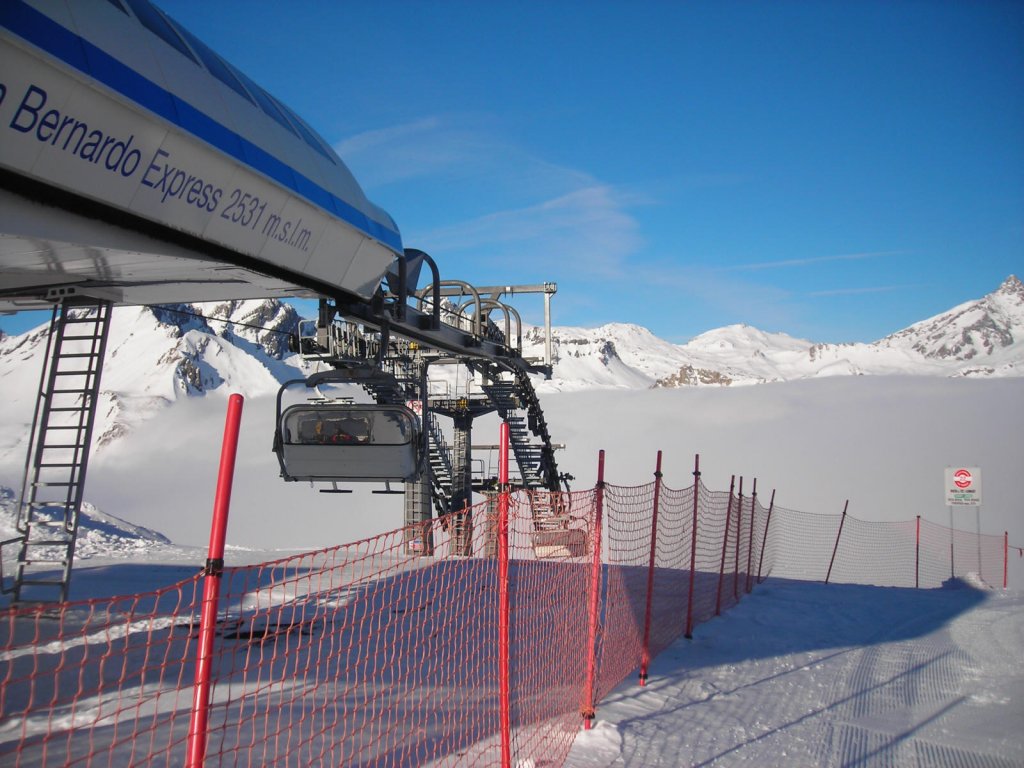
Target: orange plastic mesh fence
[[889, 554], [724, 554], [101, 682], [969, 553], [800, 543], [628, 515], [386, 651], [359, 654], [875, 553]]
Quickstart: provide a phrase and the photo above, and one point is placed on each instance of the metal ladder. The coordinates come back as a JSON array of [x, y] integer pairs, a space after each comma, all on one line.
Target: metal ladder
[[58, 455]]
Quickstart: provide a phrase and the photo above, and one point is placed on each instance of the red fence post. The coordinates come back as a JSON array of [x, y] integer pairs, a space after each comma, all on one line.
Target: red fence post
[[645, 654], [739, 536], [725, 545], [195, 753], [917, 555], [504, 631], [588, 709], [764, 539], [750, 536], [693, 547], [836, 547]]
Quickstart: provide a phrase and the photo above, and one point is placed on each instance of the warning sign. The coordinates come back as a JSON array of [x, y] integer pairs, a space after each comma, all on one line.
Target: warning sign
[[963, 486]]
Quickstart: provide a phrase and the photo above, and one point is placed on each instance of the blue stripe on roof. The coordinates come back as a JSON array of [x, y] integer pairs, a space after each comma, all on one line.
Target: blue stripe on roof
[[77, 52], [200, 124]]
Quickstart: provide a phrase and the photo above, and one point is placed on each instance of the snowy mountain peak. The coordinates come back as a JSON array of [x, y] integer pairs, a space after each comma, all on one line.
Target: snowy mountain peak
[[183, 350], [977, 338], [988, 330], [622, 355], [742, 337], [1014, 287], [158, 355], [266, 322]]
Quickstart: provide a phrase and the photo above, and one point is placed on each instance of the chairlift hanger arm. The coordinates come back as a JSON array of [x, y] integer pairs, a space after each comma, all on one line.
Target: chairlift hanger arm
[[392, 313], [352, 375], [417, 327]]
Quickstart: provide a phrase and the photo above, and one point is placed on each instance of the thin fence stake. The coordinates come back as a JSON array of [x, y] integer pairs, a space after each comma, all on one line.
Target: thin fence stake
[[693, 548], [725, 545], [195, 751], [836, 547], [764, 539], [645, 654], [952, 559], [588, 709], [750, 536], [504, 603], [739, 537], [917, 555]]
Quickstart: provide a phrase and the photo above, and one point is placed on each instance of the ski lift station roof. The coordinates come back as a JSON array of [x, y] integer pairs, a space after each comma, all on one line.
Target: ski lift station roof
[[138, 166]]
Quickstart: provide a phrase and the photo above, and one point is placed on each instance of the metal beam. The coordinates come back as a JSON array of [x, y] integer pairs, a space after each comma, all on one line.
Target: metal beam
[[495, 291]]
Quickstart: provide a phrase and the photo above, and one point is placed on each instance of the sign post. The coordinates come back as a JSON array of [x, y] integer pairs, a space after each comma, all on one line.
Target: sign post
[[963, 489]]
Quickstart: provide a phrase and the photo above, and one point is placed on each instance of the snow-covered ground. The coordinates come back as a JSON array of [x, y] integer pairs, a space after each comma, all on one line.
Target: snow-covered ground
[[799, 674], [804, 674]]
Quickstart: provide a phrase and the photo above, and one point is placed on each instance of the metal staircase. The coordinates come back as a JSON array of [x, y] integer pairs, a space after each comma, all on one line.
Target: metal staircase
[[403, 385], [58, 457], [439, 457], [516, 402]]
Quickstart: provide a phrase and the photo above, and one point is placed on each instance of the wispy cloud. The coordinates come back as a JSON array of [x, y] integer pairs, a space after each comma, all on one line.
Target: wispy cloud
[[369, 140], [463, 148], [423, 147], [811, 261], [588, 228], [720, 299], [508, 202], [859, 291]]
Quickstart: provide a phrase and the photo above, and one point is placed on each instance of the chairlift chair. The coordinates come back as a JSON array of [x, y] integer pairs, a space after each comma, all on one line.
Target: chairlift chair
[[334, 441], [553, 537]]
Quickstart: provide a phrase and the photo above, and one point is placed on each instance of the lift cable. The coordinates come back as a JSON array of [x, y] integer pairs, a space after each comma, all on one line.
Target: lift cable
[[167, 308]]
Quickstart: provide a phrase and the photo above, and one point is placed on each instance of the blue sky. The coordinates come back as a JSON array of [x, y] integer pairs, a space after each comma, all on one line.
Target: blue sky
[[832, 170]]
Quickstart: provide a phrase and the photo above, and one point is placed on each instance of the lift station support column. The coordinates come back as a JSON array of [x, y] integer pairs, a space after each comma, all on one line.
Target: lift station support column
[[462, 485], [420, 534]]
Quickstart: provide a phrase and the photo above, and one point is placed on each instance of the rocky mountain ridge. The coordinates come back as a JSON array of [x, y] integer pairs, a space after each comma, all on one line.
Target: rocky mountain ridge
[[982, 338], [157, 356]]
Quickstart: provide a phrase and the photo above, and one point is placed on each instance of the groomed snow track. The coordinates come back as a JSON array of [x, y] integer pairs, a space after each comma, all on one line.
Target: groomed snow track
[[806, 674]]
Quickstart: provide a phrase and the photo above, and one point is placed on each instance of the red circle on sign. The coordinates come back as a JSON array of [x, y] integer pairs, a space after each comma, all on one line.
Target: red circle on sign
[[962, 478]]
